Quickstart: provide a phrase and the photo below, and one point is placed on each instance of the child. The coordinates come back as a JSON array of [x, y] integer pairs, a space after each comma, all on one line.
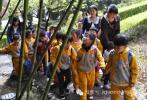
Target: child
[[50, 32], [98, 44], [123, 69], [76, 43], [87, 58], [68, 60], [14, 50], [29, 43], [43, 41], [106, 54]]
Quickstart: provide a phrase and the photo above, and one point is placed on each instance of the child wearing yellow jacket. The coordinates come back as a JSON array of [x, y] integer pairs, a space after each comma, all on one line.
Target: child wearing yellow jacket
[[87, 58], [29, 43], [123, 69], [76, 44], [68, 61], [98, 44], [14, 50]]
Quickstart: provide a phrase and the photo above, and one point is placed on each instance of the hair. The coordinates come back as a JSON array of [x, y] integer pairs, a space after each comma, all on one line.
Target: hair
[[121, 40], [70, 39], [110, 45], [60, 35], [42, 33], [52, 27], [14, 20], [112, 9], [77, 32], [16, 37], [93, 7], [28, 33]]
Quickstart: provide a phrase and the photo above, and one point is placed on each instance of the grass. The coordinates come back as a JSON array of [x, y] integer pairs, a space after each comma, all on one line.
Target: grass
[[130, 22], [126, 12]]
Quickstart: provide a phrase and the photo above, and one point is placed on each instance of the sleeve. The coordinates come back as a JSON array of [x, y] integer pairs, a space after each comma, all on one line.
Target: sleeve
[[73, 54], [100, 47], [84, 25], [104, 28], [134, 70], [108, 65], [118, 25], [100, 59], [5, 50], [54, 55]]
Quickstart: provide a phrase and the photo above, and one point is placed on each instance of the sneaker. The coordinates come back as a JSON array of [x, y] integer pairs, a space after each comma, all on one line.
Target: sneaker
[[62, 97], [79, 92], [90, 97], [107, 87]]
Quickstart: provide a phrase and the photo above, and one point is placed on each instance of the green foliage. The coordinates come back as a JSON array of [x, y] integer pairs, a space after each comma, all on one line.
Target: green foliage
[[133, 21], [133, 9]]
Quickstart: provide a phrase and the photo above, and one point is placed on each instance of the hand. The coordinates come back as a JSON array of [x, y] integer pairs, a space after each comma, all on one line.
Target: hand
[[131, 84], [58, 70]]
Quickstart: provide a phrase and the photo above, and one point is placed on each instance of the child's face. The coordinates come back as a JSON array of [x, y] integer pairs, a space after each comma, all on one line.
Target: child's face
[[87, 41], [68, 45], [94, 32], [93, 12], [120, 49], [16, 42], [42, 38]]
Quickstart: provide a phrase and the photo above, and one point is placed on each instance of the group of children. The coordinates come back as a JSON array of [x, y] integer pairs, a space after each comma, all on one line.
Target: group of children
[[82, 59]]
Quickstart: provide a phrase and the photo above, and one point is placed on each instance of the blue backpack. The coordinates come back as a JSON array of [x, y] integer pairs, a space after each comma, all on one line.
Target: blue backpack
[[27, 67]]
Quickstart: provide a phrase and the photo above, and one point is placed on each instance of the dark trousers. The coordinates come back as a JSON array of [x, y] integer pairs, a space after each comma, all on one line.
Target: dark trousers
[[106, 79], [64, 78]]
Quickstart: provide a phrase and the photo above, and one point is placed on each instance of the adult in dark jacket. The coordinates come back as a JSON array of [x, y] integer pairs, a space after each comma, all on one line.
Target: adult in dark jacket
[[91, 21], [110, 25], [15, 28]]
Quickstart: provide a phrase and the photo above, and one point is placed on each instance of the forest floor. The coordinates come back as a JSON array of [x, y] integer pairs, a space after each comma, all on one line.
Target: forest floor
[[138, 46]]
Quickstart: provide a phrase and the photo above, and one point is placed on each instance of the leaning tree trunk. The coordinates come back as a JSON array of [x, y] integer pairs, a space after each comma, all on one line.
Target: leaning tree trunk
[[37, 39], [6, 8], [37, 66], [10, 19], [1, 5], [23, 35], [61, 50]]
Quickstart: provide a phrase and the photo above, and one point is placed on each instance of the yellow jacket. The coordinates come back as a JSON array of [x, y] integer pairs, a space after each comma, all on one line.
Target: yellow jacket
[[99, 45], [77, 45], [68, 56], [14, 50], [88, 60], [29, 45], [123, 70]]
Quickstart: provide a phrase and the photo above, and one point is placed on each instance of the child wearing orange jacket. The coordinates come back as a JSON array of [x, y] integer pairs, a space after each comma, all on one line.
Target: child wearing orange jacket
[[87, 58], [123, 69], [67, 63], [14, 50]]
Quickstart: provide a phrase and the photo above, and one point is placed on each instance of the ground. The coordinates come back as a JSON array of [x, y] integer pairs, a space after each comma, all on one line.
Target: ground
[[138, 46]]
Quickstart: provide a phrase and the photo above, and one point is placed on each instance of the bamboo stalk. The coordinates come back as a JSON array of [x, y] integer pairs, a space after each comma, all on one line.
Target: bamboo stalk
[[53, 36], [23, 35], [61, 50], [10, 19], [1, 5], [6, 9], [36, 42]]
